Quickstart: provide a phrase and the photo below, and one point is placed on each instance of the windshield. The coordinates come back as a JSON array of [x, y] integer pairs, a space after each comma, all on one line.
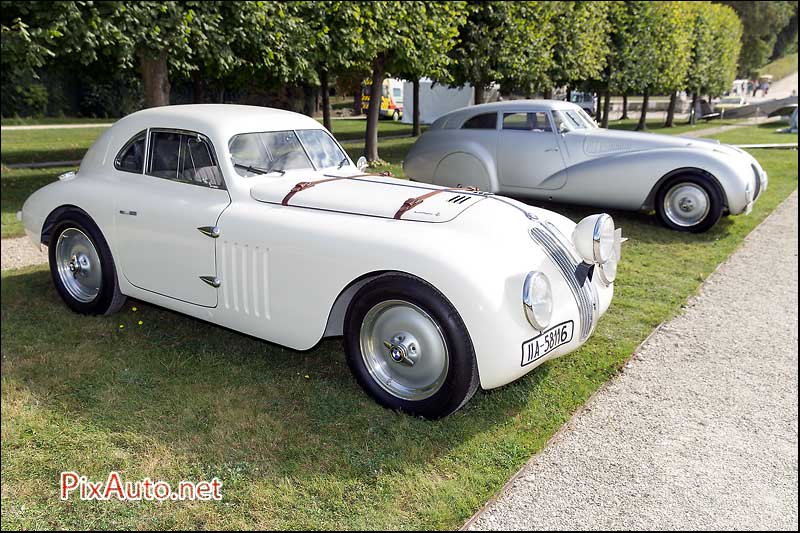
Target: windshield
[[573, 120], [279, 151]]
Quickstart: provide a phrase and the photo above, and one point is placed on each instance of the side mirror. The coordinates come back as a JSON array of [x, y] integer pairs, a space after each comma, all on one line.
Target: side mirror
[[362, 163]]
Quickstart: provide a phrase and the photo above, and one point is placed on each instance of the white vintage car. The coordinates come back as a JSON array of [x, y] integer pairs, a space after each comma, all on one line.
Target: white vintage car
[[257, 220], [551, 150]]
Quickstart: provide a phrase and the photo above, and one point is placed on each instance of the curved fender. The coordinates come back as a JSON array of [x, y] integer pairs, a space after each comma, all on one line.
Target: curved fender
[[627, 180], [423, 161]]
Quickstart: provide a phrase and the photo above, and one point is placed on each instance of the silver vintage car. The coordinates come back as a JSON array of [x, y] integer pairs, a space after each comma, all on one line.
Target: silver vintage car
[[552, 150]]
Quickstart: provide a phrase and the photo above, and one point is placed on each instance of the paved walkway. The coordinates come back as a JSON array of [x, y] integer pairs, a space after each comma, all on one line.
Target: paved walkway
[[700, 430], [713, 131], [20, 252]]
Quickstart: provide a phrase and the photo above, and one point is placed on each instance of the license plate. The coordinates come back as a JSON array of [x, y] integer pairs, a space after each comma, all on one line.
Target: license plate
[[538, 347]]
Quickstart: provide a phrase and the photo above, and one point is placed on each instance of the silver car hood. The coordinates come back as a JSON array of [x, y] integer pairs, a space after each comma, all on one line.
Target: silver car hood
[[600, 142]]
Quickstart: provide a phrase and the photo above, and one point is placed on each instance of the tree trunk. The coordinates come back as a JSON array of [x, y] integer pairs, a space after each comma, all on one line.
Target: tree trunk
[[569, 94], [624, 107], [642, 126], [606, 108], [548, 93], [479, 93], [326, 99], [598, 113], [308, 100], [155, 79], [673, 100], [693, 110], [198, 94], [415, 128], [375, 92]]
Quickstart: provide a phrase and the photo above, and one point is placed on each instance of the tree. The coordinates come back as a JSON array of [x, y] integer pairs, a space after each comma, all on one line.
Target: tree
[[581, 42], [510, 43], [432, 60], [399, 36], [763, 22], [654, 51], [334, 43]]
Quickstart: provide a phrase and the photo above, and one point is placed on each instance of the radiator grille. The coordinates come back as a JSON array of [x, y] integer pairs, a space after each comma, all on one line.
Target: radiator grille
[[584, 296]]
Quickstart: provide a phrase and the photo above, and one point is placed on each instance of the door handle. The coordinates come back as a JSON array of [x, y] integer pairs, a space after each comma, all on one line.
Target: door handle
[[132, 213], [552, 150], [211, 280], [209, 231]]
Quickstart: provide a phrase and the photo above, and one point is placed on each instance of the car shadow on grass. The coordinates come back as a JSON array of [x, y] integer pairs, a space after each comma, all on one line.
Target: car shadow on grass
[[218, 396]]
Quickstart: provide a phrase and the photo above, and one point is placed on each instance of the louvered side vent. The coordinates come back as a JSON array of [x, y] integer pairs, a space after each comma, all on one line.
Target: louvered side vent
[[584, 296], [244, 271]]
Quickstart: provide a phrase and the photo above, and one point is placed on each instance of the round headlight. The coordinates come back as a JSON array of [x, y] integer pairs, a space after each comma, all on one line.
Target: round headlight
[[594, 238], [537, 300]]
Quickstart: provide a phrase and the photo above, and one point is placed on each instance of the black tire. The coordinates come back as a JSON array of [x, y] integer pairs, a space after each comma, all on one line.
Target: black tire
[[716, 204], [109, 299], [461, 380]]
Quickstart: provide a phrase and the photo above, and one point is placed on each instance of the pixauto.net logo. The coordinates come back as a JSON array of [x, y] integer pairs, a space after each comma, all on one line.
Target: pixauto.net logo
[[73, 484]]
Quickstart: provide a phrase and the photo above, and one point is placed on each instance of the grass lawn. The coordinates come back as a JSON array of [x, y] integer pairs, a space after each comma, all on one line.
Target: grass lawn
[[33, 121], [767, 133], [780, 68], [657, 125], [294, 440], [35, 146]]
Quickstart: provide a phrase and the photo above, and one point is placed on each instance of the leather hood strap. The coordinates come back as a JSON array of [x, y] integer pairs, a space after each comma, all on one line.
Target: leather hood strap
[[303, 185], [411, 203]]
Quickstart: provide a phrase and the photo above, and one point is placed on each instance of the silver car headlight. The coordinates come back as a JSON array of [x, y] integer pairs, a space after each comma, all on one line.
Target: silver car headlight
[[537, 300]]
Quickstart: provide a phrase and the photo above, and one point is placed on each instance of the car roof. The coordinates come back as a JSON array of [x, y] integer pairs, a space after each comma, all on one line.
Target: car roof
[[221, 121], [455, 118]]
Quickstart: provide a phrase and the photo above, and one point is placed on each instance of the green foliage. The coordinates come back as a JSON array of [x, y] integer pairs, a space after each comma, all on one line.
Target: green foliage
[[763, 22], [582, 42], [510, 43], [727, 36], [653, 46]]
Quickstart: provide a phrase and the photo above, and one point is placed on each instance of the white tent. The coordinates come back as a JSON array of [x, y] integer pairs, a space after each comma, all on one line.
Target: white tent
[[435, 100]]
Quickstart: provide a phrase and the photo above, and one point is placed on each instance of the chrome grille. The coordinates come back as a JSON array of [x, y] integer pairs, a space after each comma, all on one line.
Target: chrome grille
[[584, 295]]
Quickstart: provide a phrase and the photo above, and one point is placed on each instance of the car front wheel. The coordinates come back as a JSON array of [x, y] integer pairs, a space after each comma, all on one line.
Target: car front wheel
[[408, 348], [689, 203], [82, 268]]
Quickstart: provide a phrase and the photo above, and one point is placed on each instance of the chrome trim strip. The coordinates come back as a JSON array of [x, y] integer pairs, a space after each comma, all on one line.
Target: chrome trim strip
[[585, 296]]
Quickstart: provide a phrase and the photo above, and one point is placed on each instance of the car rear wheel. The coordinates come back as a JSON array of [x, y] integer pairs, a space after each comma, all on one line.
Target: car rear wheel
[[82, 268], [408, 348], [689, 203]]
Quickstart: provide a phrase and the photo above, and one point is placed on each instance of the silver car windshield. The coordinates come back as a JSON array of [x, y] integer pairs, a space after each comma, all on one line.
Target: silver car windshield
[[574, 120], [278, 151]]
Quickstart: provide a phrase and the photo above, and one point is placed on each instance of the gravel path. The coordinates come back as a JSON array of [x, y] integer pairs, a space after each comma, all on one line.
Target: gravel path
[[700, 430], [20, 252]]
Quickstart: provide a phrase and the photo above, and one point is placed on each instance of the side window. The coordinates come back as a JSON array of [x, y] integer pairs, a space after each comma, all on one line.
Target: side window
[[485, 121], [536, 122], [397, 93], [183, 157], [131, 157]]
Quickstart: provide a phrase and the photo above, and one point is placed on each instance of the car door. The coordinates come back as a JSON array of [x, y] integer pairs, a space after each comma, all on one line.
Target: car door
[[166, 214], [528, 152]]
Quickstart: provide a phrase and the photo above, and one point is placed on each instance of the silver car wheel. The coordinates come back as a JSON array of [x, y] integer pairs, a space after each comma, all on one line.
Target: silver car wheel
[[404, 350], [78, 265], [686, 204]]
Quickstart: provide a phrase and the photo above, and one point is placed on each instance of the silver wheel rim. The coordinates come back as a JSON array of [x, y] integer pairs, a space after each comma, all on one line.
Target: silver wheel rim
[[404, 350], [78, 265], [686, 204]]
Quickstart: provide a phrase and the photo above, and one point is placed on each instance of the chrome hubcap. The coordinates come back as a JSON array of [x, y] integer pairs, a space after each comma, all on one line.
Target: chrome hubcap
[[686, 204], [78, 265], [404, 350]]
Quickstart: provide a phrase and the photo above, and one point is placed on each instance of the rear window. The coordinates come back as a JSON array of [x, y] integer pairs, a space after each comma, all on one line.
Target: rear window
[[484, 121]]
